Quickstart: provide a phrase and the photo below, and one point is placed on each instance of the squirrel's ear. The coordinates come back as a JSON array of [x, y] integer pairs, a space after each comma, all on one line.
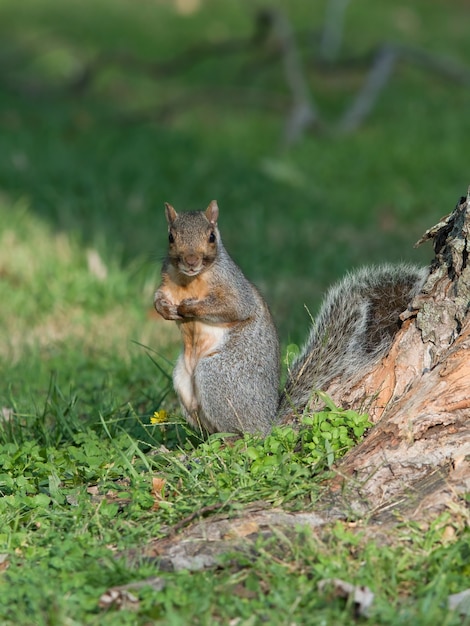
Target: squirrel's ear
[[170, 213], [212, 212]]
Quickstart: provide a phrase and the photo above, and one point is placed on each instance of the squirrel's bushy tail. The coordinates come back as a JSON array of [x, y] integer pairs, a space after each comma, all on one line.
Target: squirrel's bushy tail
[[353, 330]]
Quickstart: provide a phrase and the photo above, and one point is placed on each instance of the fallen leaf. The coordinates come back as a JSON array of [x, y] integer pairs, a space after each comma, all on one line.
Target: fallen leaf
[[460, 602], [72, 499], [6, 414], [121, 597], [245, 528], [158, 485], [111, 496], [241, 591], [96, 265], [362, 597], [4, 562], [448, 534]]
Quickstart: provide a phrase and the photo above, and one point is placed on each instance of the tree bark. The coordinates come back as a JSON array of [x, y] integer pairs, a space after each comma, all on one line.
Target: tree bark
[[416, 459]]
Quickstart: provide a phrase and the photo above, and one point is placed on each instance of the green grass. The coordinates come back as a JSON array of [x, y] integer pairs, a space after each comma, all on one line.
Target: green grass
[[85, 363]]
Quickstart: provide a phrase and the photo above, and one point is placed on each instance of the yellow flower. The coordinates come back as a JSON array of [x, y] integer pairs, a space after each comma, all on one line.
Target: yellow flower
[[159, 417]]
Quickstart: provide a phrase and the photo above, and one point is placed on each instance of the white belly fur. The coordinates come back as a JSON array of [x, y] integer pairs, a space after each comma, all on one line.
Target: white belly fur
[[200, 340]]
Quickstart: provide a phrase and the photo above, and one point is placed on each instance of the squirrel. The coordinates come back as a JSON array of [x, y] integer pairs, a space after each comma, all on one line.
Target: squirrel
[[353, 330], [227, 375]]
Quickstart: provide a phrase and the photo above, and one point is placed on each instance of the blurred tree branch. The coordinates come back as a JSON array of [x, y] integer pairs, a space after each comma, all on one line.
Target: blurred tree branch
[[273, 37], [303, 112], [333, 27]]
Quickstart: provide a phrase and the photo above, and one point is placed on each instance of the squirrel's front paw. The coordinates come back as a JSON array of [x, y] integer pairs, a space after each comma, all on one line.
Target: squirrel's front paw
[[186, 307], [167, 310]]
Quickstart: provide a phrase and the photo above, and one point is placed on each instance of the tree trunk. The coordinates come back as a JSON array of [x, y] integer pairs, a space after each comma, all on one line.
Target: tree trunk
[[416, 460]]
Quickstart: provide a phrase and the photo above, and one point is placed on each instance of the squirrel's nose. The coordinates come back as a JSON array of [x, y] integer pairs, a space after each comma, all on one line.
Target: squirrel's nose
[[191, 260]]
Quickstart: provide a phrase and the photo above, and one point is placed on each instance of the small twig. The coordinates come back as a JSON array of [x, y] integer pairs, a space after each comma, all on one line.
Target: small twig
[[202, 512], [332, 35], [159, 69], [384, 62], [441, 65], [180, 63], [303, 111], [365, 100], [167, 111]]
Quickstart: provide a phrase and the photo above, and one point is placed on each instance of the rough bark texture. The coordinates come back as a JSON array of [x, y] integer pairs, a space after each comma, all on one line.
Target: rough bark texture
[[417, 458]]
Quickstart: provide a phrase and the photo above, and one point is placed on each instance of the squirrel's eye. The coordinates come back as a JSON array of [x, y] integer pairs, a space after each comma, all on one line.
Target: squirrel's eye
[[212, 237], [171, 239]]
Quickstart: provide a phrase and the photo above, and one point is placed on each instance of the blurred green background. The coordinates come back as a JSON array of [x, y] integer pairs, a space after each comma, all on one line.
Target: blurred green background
[[110, 108]]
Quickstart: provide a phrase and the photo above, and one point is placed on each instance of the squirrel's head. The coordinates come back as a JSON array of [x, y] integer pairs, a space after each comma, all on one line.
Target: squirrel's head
[[193, 238]]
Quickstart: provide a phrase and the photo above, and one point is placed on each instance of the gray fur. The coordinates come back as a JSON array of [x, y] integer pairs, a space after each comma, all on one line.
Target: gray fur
[[238, 387], [353, 329]]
